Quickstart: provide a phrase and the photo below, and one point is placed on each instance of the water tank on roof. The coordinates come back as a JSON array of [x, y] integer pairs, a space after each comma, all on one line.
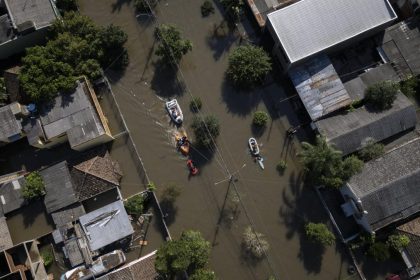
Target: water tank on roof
[[31, 108]]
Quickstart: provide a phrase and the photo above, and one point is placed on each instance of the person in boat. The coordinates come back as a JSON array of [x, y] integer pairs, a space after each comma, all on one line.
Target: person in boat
[[174, 113], [183, 141]]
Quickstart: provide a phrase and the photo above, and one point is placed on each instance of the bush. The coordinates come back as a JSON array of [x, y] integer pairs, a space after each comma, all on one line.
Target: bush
[[381, 95], [254, 243], [203, 274], [319, 233], [171, 46], [47, 256], [398, 242], [206, 130], [207, 8], [371, 150], [410, 86], [34, 186], [233, 7], [281, 166], [248, 65], [151, 187], [134, 205], [260, 118], [379, 251], [196, 104]]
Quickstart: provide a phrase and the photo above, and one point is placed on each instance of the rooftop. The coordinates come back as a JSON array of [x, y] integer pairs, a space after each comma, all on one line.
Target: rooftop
[[388, 186], [319, 87], [11, 195], [401, 43], [67, 215], [310, 26], [412, 252], [40, 12], [5, 239], [261, 8], [9, 125], [58, 187], [141, 269], [106, 225], [348, 131]]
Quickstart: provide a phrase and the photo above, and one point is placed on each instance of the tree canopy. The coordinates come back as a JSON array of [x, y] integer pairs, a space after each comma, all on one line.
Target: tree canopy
[[76, 47], [398, 242], [319, 233], [206, 130], [34, 186], [371, 150], [248, 65], [203, 274], [382, 95], [189, 253], [171, 46], [134, 205], [325, 165]]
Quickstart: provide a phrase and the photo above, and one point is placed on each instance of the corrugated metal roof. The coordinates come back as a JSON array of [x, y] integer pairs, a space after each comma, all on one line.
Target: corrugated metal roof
[[350, 130], [11, 197], [310, 26], [319, 87], [9, 125]]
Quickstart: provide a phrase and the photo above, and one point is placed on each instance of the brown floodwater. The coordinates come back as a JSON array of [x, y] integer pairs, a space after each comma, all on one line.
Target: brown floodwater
[[277, 205]]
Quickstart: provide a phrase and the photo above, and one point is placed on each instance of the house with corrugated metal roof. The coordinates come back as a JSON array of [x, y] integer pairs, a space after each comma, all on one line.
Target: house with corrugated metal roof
[[386, 190]]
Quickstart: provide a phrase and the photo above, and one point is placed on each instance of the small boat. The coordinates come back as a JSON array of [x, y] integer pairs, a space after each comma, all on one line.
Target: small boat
[[253, 146], [260, 161], [191, 167], [98, 267], [182, 143], [175, 111]]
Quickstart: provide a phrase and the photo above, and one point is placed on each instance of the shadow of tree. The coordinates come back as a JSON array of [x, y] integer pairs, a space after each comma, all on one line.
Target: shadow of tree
[[169, 209], [221, 38], [301, 205], [116, 7], [165, 82], [239, 102]]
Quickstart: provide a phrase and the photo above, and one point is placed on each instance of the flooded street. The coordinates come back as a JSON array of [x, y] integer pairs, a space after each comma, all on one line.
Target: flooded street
[[276, 205]]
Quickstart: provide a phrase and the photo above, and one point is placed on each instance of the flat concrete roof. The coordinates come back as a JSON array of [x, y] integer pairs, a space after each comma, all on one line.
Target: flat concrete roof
[[40, 12], [310, 26]]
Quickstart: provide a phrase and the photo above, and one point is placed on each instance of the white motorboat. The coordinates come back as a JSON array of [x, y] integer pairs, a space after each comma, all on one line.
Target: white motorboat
[[175, 111], [260, 161], [253, 146], [100, 266]]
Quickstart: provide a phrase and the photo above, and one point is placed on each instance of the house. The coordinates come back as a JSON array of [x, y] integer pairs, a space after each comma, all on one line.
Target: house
[[261, 8], [106, 225], [411, 254], [11, 197], [5, 238], [74, 117], [140, 269], [349, 131], [386, 190], [11, 122], [319, 87], [309, 27], [22, 261], [399, 46], [24, 24]]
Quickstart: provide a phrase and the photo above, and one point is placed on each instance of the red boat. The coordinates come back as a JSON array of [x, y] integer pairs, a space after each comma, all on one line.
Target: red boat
[[191, 167]]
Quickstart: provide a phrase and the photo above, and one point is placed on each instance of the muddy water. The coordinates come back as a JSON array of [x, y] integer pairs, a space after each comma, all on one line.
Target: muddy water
[[277, 205]]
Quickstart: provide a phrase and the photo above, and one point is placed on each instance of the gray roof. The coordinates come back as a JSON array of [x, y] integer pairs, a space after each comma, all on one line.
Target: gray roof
[[348, 131], [73, 252], [389, 186], [73, 114], [9, 125], [356, 87], [67, 215], [401, 43], [58, 187], [106, 225], [5, 239], [310, 26], [11, 195], [40, 12], [319, 87]]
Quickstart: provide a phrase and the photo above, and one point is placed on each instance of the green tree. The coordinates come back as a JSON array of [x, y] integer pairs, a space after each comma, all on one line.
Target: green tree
[[203, 274], [254, 242], [398, 242], [260, 118], [319, 233], [134, 205], [207, 8], [371, 150], [34, 186], [381, 95], [379, 251], [3, 94], [248, 65], [410, 86], [189, 253], [234, 8], [171, 46], [325, 165], [206, 130]]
